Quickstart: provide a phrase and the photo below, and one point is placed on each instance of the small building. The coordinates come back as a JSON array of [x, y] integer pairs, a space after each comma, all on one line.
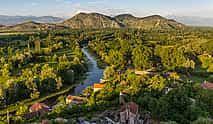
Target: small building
[[104, 81], [129, 113], [168, 89], [46, 122], [39, 107], [74, 100], [98, 87], [137, 72], [61, 120], [37, 110], [123, 83], [207, 85]]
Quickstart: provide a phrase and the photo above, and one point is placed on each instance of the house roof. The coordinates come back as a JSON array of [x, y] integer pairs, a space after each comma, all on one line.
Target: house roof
[[99, 85], [123, 83], [133, 107], [74, 98], [207, 85], [39, 106]]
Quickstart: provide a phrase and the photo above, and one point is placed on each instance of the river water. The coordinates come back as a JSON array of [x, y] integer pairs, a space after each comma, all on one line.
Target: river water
[[93, 75]]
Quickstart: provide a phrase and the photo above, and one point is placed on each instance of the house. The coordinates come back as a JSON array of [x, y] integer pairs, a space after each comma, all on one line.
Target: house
[[123, 83], [168, 89], [39, 107], [207, 85], [98, 87], [74, 100], [46, 122], [61, 120], [37, 110], [137, 72], [129, 113], [104, 81]]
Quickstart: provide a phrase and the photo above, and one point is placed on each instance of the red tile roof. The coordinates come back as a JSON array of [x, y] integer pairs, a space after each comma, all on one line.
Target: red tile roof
[[38, 107], [99, 85], [207, 85], [74, 98], [124, 83]]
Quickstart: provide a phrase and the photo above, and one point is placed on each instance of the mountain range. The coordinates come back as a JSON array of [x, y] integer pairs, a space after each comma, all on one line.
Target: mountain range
[[96, 21]]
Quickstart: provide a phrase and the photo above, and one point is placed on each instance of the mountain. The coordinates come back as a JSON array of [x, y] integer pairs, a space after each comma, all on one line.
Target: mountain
[[127, 20], [193, 20], [91, 20], [31, 25], [1, 26], [150, 22], [95, 20], [13, 20]]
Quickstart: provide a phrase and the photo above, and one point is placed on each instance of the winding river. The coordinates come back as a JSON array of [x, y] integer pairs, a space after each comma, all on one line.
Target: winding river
[[94, 73]]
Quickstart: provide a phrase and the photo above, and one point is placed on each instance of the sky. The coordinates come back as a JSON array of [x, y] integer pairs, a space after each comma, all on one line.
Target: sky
[[140, 8]]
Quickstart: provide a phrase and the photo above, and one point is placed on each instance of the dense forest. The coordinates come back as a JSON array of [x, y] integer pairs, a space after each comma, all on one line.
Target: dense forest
[[34, 65]]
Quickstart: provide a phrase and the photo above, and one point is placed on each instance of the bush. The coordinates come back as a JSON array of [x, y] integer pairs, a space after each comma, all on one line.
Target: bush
[[169, 122], [203, 121]]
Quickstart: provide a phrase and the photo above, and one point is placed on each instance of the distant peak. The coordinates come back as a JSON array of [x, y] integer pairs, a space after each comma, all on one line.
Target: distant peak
[[130, 15], [29, 22], [155, 17], [125, 16]]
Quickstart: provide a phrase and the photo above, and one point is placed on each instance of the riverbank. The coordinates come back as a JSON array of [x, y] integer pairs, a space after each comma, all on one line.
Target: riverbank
[[93, 75]]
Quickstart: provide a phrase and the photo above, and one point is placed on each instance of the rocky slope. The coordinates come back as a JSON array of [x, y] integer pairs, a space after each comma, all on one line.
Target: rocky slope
[[92, 20], [150, 22]]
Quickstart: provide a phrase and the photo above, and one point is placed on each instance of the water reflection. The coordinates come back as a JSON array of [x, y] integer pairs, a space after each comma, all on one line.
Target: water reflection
[[94, 73]]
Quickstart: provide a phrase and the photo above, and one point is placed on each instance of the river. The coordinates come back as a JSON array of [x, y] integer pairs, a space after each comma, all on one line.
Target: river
[[93, 75]]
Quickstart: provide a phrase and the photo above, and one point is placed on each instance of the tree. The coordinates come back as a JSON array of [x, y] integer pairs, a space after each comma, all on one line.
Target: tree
[[141, 56], [156, 83], [174, 105], [205, 101], [109, 72], [49, 79], [169, 122], [171, 57], [175, 76], [49, 40], [203, 121], [116, 58], [37, 43]]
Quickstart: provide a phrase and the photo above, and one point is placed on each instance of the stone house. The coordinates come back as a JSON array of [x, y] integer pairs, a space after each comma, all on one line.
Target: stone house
[[74, 100], [129, 113]]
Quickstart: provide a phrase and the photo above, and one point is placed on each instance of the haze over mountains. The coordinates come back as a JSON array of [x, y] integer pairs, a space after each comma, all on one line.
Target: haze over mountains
[[13, 20], [193, 20]]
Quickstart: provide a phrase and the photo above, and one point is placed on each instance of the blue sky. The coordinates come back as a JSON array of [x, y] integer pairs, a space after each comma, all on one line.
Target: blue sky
[[67, 8]]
